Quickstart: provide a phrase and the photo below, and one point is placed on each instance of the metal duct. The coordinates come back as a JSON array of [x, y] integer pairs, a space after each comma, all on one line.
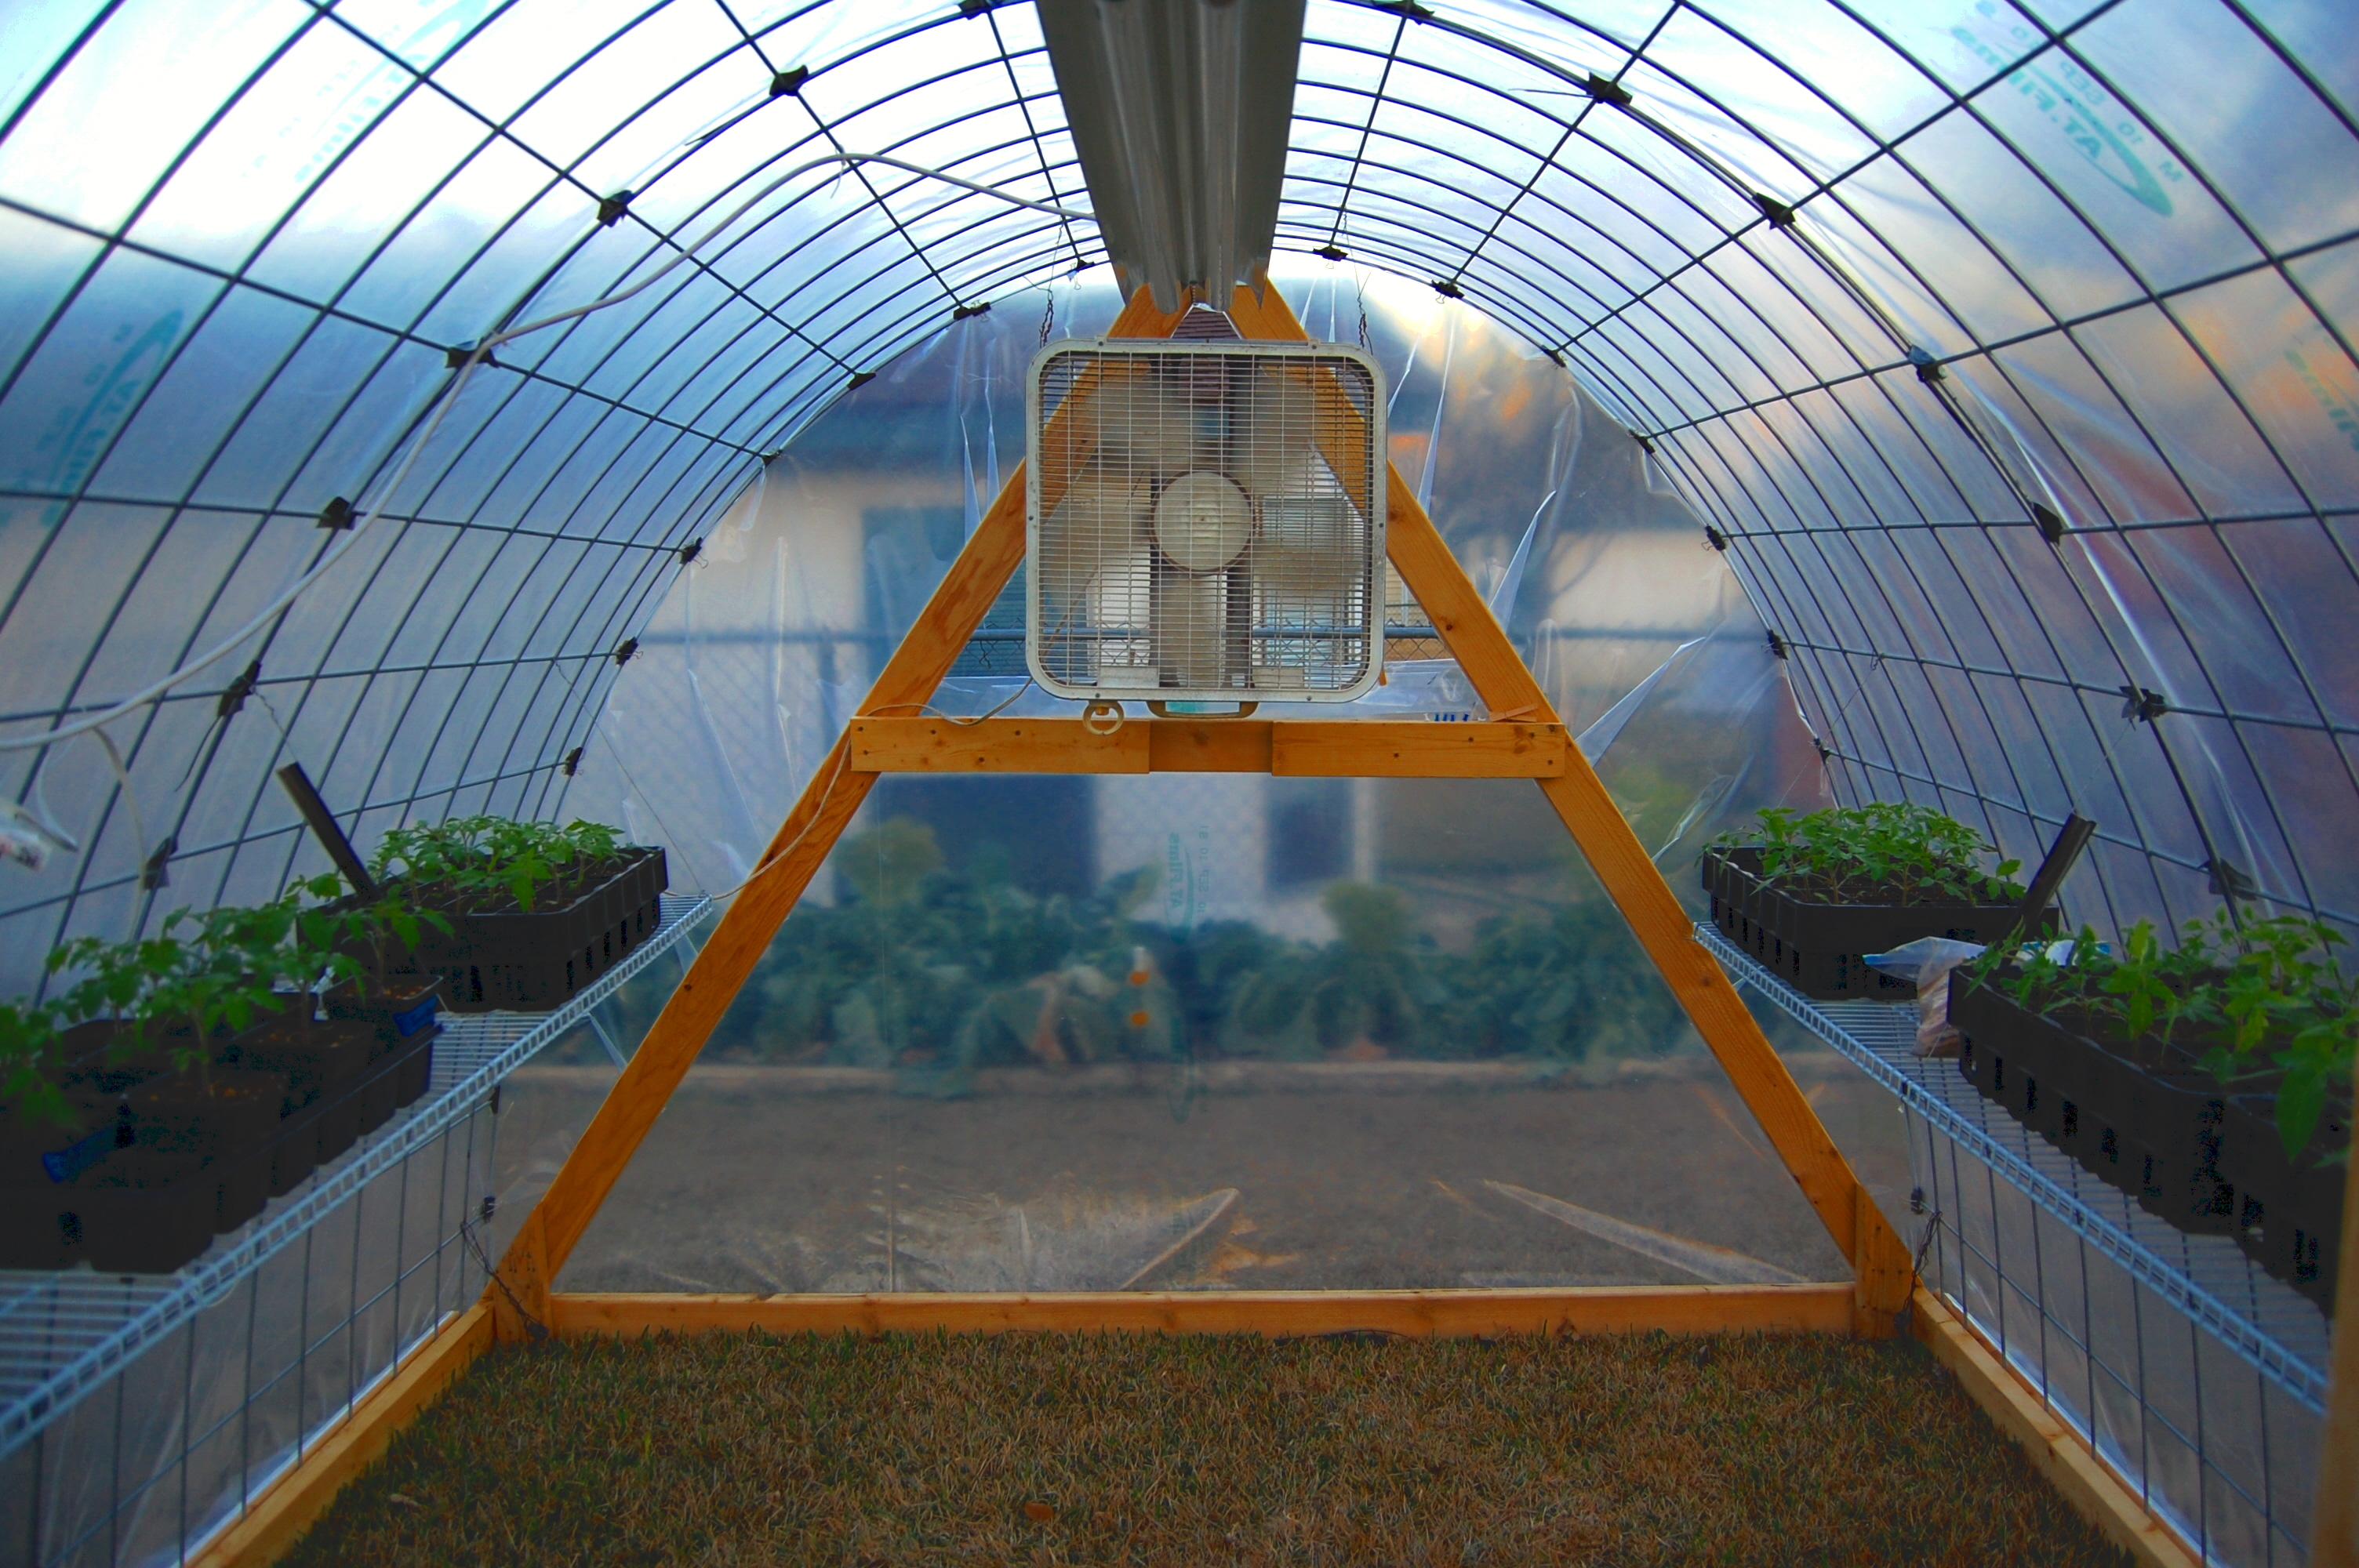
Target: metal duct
[[1179, 111]]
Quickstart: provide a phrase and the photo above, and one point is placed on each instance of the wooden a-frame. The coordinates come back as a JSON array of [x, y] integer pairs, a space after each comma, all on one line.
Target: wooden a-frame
[[1529, 742]]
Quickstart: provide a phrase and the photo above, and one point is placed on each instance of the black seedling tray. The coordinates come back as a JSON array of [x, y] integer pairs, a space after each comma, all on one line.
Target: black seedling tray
[[1821, 949], [2146, 1118], [534, 963]]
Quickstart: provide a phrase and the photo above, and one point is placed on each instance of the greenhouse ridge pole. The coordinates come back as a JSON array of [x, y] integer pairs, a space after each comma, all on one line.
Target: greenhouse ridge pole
[[547, 1238], [1880, 1261]]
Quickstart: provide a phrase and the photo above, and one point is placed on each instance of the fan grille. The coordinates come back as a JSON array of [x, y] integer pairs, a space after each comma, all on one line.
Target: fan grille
[[1205, 520]]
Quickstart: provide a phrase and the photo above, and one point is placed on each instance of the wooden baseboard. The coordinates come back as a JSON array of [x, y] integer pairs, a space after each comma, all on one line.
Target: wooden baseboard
[[278, 1517], [2071, 1465], [1680, 1308]]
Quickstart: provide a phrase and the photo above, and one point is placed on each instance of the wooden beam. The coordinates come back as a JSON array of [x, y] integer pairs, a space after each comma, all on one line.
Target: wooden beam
[[279, 1514], [1341, 747], [1208, 746], [519, 1297], [996, 746], [1491, 664], [751, 920], [1605, 1309], [2334, 1529], [1399, 750], [2056, 1450]]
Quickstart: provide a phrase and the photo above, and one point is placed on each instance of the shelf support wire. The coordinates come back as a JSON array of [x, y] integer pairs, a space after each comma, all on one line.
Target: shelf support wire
[[90, 1328]]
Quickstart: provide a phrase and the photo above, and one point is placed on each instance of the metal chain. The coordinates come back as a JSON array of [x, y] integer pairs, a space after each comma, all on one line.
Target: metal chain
[[1048, 314]]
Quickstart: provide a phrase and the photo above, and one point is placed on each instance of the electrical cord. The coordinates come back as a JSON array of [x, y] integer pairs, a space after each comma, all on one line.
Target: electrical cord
[[534, 1329], [476, 354]]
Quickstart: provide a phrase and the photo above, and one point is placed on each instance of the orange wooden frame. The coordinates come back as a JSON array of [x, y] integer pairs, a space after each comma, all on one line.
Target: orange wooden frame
[[1880, 1263]]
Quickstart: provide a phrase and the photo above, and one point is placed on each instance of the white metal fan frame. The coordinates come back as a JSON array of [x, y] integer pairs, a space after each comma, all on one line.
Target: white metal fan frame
[[1373, 568]]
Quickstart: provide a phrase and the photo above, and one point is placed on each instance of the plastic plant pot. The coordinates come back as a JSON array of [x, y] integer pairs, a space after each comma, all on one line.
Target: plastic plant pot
[[1821, 948], [535, 962], [2290, 1214], [31, 1233], [146, 1211]]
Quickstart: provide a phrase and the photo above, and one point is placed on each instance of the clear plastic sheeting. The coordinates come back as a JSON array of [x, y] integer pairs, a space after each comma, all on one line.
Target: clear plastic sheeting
[[1191, 1031], [2009, 354]]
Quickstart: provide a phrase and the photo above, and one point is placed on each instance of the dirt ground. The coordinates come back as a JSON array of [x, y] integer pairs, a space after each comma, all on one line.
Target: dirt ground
[[1265, 1176]]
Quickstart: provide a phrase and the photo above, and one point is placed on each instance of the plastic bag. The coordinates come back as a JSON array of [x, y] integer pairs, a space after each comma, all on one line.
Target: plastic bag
[[1927, 961]]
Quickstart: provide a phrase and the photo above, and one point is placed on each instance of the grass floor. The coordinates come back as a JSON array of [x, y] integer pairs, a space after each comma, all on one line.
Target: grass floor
[[1043, 1449]]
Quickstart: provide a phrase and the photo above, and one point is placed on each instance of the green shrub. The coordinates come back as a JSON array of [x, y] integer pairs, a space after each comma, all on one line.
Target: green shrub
[[939, 972]]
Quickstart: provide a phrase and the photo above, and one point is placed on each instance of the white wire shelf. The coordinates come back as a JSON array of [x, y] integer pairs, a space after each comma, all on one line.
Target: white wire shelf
[[63, 1334], [2265, 1322]]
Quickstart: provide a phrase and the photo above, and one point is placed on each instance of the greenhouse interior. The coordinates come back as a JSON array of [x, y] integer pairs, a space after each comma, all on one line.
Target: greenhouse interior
[[1179, 780]]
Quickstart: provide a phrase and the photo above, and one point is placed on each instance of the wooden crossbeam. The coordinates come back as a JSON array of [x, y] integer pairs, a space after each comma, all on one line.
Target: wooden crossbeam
[[1345, 748], [1880, 1261], [1599, 1309]]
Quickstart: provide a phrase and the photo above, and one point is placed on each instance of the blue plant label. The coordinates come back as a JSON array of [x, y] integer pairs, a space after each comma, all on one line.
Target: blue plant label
[[416, 1018], [64, 1164]]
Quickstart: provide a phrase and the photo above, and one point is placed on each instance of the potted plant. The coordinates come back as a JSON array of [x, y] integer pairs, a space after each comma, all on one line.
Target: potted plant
[[51, 1131], [1811, 896], [202, 1076], [510, 914], [196, 1158], [2209, 1078]]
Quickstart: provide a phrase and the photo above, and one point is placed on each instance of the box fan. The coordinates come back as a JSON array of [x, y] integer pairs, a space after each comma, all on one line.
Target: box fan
[[1204, 521]]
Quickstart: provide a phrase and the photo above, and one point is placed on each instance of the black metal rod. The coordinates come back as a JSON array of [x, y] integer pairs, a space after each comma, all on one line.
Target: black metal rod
[[323, 828], [2071, 839]]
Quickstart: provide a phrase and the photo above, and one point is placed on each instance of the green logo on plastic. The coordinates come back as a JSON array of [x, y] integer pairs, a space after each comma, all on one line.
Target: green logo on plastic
[[78, 435], [2076, 106]]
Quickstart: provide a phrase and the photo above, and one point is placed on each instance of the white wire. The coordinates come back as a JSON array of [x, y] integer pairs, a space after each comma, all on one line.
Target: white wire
[[475, 356]]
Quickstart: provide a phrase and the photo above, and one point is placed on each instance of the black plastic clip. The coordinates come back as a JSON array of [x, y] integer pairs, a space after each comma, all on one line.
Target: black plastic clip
[[1409, 8], [1929, 369], [1556, 357], [860, 378], [152, 875], [1447, 289], [623, 650], [2227, 882], [573, 763], [973, 7], [457, 354], [1332, 252], [690, 551], [337, 513], [233, 696], [491, 1205], [2051, 527], [790, 84], [1780, 216], [1715, 538], [1777, 649], [1643, 445], [611, 207], [1916, 1200], [1606, 89], [2142, 705], [961, 313]]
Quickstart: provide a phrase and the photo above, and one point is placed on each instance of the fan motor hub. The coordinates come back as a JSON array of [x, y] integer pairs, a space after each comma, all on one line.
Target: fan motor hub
[[1202, 521]]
